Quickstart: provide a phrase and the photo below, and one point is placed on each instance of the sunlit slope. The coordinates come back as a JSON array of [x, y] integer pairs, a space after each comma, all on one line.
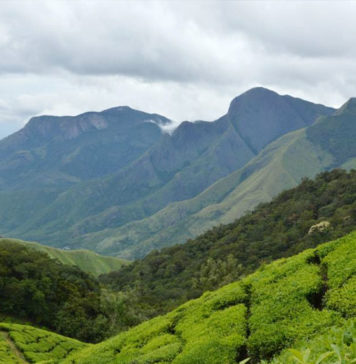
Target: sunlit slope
[[327, 144], [25, 344], [281, 166], [86, 260], [284, 304], [77, 183]]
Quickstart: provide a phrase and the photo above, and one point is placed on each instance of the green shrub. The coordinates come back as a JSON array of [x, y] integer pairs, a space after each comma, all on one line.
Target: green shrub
[[38, 345], [289, 303]]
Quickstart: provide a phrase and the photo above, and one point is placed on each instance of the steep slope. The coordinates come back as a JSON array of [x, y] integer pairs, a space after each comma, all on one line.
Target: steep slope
[[86, 260], [287, 303], [177, 168], [308, 300], [327, 144], [273, 230], [274, 116]]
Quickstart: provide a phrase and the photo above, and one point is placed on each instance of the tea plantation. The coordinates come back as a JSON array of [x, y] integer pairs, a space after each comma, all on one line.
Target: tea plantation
[[285, 304], [307, 302], [26, 344]]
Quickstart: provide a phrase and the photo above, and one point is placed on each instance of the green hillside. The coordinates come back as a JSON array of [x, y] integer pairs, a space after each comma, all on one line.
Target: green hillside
[[81, 189], [273, 230], [327, 144], [21, 344], [280, 166], [307, 302], [284, 304], [86, 260], [46, 293]]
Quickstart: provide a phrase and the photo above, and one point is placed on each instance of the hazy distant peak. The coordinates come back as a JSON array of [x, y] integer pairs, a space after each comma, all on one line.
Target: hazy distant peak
[[256, 94], [69, 127], [259, 90], [119, 109], [348, 106], [261, 115]]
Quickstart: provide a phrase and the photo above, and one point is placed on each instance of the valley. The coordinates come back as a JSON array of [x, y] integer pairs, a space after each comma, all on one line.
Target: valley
[[177, 182]]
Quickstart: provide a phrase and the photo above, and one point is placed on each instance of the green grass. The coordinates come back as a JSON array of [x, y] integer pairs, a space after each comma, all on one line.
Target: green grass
[[86, 260]]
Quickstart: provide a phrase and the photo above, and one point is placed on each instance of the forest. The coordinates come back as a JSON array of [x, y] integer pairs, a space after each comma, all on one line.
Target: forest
[[42, 291]]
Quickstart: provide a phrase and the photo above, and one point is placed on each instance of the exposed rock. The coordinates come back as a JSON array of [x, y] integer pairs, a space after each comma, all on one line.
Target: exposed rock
[[321, 226]]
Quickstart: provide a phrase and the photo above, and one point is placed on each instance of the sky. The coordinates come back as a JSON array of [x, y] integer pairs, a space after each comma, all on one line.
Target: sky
[[185, 60]]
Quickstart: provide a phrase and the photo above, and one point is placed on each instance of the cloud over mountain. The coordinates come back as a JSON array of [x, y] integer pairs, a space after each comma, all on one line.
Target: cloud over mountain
[[182, 59]]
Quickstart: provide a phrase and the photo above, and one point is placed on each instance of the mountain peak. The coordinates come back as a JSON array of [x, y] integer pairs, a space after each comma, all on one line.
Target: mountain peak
[[259, 90], [69, 127], [256, 94], [348, 106], [261, 115]]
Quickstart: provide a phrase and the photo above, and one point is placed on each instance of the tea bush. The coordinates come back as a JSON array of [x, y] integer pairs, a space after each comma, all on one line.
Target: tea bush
[[284, 304], [38, 345]]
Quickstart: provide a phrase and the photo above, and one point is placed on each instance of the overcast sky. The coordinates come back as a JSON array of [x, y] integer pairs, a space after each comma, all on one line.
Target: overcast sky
[[185, 60]]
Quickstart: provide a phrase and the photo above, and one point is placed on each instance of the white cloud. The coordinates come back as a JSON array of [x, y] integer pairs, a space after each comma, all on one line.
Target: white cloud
[[185, 60]]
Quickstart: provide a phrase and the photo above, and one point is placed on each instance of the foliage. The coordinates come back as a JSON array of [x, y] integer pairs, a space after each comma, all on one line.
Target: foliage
[[337, 346], [63, 298], [256, 319], [283, 304], [166, 278], [7, 355], [210, 329], [34, 345], [217, 272]]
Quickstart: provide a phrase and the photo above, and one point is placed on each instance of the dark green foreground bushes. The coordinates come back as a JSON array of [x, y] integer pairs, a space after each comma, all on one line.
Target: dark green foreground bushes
[[62, 298], [45, 292]]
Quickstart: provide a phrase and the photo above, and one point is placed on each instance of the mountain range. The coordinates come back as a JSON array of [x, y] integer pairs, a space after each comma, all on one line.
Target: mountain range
[[116, 183]]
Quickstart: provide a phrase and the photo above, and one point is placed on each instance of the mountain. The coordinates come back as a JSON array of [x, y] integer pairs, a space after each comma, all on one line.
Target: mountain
[[86, 260], [108, 212], [307, 300], [61, 151], [327, 144], [287, 225]]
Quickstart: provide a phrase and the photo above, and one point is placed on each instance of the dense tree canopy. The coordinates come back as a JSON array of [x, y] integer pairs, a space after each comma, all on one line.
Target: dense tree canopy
[[36, 288]]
